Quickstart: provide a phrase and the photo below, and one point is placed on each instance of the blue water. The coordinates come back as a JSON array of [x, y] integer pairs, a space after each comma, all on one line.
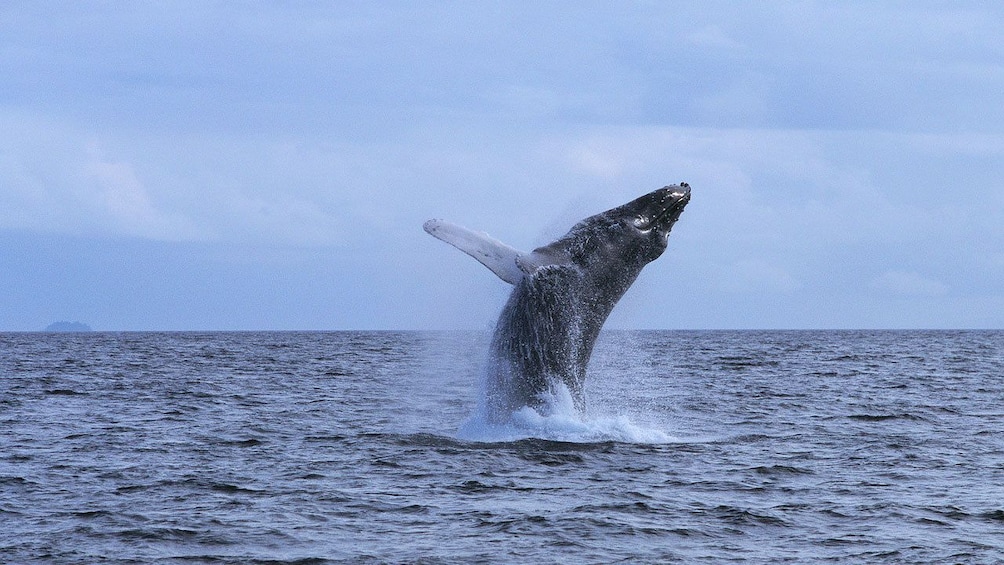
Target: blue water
[[759, 447]]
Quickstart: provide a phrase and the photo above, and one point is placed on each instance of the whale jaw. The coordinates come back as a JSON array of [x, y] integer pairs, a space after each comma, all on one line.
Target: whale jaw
[[659, 209]]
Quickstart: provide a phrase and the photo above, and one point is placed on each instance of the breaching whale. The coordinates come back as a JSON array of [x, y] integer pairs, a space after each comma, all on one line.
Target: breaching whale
[[562, 294]]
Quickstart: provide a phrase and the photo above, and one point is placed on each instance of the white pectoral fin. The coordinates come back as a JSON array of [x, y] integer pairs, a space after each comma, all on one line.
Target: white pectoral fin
[[490, 252]]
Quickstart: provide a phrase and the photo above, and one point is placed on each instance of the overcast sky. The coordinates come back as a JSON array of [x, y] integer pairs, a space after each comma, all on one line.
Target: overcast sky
[[202, 165]]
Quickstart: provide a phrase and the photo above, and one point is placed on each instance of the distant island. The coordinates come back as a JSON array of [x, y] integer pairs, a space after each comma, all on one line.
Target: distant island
[[67, 327]]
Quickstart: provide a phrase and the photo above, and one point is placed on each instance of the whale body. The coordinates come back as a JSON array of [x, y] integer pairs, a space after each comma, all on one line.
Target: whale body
[[562, 294]]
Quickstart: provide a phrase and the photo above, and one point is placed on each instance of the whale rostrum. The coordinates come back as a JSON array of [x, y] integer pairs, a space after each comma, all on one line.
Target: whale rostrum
[[562, 294]]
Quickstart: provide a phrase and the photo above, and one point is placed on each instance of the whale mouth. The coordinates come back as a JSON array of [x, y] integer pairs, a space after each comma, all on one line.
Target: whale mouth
[[673, 208]]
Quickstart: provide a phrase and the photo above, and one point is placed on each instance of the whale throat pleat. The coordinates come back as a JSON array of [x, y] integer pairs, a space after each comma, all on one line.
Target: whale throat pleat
[[490, 252]]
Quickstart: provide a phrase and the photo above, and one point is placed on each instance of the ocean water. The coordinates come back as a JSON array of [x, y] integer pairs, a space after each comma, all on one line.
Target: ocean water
[[328, 447]]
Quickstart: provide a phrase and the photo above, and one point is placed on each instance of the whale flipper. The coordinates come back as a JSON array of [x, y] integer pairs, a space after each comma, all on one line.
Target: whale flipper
[[490, 252]]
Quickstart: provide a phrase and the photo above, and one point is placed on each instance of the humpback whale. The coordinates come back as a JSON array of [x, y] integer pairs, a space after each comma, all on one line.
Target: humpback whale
[[562, 294]]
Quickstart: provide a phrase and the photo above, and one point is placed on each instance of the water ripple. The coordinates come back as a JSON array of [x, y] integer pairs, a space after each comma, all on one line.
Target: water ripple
[[332, 447]]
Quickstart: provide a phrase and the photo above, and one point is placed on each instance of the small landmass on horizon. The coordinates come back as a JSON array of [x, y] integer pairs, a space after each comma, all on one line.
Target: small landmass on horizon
[[67, 327]]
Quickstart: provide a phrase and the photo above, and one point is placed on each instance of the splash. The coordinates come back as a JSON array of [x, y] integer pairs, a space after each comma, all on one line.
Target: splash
[[557, 419]]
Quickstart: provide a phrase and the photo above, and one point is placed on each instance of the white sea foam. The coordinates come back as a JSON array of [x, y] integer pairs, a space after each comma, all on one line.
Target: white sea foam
[[558, 420]]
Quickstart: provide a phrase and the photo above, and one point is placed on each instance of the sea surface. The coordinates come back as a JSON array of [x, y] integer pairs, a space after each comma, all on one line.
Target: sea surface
[[329, 447]]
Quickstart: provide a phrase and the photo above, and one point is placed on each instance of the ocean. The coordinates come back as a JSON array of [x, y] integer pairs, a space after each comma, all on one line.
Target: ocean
[[358, 447]]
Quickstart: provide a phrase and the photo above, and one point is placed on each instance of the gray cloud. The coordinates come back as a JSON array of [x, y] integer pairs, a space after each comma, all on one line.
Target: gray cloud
[[825, 143]]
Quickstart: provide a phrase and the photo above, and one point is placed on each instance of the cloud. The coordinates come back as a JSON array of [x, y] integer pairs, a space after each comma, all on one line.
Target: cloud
[[116, 196], [824, 143], [908, 283], [285, 218], [713, 37], [757, 276], [744, 101], [55, 177]]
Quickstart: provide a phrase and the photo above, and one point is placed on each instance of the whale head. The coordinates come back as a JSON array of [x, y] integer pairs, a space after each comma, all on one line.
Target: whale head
[[633, 234], [655, 213]]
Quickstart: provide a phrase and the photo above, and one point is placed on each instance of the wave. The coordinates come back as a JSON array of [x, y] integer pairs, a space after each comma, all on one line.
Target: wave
[[558, 420]]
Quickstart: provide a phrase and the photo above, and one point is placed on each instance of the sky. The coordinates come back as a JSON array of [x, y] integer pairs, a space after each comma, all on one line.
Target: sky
[[268, 166]]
